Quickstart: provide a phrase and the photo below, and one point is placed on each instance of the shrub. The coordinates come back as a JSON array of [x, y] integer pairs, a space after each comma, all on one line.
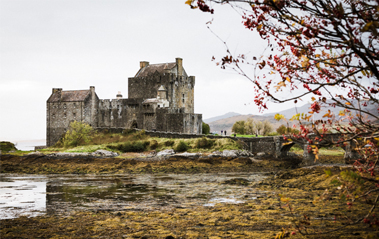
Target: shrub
[[139, 135], [169, 143], [6, 146], [204, 143], [79, 133], [128, 131], [205, 128], [181, 147], [128, 146], [153, 144]]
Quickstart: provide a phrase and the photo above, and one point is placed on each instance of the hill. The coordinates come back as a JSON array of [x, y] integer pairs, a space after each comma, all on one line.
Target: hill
[[227, 123], [227, 115]]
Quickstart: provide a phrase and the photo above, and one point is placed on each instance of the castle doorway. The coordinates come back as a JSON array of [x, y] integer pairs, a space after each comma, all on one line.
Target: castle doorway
[[134, 125]]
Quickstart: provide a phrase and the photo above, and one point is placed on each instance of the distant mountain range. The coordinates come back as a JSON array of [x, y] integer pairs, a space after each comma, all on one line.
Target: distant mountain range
[[226, 121], [227, 115]]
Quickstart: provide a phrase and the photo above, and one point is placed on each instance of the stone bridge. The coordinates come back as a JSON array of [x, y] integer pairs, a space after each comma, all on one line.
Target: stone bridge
[[278, 148]]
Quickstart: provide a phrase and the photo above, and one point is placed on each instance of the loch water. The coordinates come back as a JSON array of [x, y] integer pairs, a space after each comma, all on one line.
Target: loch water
[[33, 195]]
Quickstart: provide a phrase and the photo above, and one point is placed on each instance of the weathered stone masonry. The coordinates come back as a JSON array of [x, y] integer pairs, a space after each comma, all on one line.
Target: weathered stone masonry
[[161, 98]]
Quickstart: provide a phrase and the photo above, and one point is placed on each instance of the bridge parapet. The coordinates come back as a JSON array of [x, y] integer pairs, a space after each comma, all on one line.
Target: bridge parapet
[[277, 147]]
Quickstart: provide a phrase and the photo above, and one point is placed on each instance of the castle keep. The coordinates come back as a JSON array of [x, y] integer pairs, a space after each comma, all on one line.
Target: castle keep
[[161, 98]]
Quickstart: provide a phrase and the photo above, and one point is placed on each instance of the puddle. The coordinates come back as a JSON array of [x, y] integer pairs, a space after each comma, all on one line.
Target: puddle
[[214, 201], [34, 195]]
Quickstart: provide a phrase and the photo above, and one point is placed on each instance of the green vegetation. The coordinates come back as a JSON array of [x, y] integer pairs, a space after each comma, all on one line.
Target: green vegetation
[[247, 135], [181, 146], [78, 133], [139, 141], [6, 146], [134, 146], [204, 143], [206, 129], [251, 127], [286, 130]]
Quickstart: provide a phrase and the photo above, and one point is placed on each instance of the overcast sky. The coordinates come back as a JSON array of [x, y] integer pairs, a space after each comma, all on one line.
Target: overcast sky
[[74, 44]]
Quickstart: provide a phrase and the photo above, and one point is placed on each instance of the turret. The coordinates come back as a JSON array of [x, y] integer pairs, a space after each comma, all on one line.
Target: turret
[[162, 92]]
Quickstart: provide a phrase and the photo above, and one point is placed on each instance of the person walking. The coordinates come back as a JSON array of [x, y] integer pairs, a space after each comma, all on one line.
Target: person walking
[[225, 132], [222, 132]]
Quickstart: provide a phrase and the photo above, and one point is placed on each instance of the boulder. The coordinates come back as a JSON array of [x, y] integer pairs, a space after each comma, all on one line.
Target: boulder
[[229, 153], [35, 154], [188, 155], [104, 153], [166, 152]]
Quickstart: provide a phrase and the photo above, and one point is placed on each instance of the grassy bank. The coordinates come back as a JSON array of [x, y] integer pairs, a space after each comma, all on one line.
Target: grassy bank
[[140, 142]]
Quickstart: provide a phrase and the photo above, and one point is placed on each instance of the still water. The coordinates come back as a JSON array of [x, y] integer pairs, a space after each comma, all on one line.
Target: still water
[[33, 195]]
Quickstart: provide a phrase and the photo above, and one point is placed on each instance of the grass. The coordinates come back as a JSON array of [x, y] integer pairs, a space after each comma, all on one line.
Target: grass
[[334, 151], [121, 143], [247, 136]]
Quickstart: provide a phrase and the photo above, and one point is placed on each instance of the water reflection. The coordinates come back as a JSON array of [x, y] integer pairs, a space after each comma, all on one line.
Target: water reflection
[[52, 194], [22, 197]]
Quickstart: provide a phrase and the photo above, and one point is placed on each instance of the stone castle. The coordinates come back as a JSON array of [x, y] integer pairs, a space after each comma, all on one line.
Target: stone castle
[[161, 98]]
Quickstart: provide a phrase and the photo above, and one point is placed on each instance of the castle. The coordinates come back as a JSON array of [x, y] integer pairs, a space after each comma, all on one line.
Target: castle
[[161, 98]]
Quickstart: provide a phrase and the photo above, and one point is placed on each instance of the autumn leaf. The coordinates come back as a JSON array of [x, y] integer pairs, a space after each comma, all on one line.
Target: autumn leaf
[[280, 85], [279, 117], [304, 61], [189, 2], [329, 114]]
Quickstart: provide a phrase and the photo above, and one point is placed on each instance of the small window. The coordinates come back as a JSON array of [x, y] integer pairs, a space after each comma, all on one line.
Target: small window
[[64, 106], [74, 114], [64, 115]]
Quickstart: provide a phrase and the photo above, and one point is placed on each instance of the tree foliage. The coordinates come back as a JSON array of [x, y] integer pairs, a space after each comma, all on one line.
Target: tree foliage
[[78, 133], [326, 51], [286, 130], [267, 128], [206, 129], [251, 126], [239, 127]]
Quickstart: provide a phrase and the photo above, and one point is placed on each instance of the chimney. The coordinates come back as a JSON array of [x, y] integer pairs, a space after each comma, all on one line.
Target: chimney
[[57, 90], [179, 65], [119, 96], [143, 64]]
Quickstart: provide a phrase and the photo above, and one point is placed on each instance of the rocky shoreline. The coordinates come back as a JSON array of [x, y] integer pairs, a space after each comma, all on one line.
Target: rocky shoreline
[[101, 162], [294, 196]]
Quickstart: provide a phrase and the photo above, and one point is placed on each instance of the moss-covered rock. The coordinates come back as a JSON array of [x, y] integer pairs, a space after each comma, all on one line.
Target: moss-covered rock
[[6, 146]]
